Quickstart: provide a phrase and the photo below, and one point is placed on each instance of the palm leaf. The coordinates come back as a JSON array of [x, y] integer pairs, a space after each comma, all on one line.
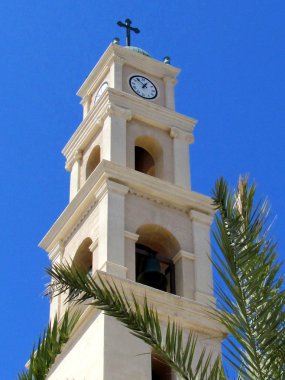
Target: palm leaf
[[142, 320], [49, 346], [250, 293]]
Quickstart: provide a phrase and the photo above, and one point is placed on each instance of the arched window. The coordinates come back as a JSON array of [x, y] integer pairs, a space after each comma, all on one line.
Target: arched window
[[147, 155], [93, 160], [159, 370], [83, 257], [155, 250]]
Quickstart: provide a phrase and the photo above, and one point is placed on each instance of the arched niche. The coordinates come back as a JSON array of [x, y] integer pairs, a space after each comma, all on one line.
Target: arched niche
[[148, 153], [155, 240], [158, 239], [83, 257], [93, 160]]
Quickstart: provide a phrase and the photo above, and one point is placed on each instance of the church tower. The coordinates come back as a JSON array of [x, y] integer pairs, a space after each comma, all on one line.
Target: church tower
[[132, 214]]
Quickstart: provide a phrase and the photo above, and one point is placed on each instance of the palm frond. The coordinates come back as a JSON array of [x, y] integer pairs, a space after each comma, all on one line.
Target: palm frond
[[252, 293], [49, 347], [142, 320]]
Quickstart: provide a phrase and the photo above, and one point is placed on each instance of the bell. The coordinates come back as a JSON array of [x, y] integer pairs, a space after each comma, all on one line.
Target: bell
[[151, 275]]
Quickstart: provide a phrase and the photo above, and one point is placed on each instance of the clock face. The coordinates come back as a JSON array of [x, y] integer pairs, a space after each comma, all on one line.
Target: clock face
[[143, 87], [100, 91]]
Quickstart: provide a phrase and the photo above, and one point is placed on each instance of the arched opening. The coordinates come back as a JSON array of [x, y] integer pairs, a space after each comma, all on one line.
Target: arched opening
[[144, 162], [93, 160], [155, 249], [147, 155], [159, 369], [83, 257]]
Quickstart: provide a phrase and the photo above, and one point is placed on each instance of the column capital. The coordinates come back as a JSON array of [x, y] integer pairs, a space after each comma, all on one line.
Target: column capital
[[118, 60], [168, 79], [76, 157], [57, 251], [183, 254], [200, 217], [131, 236], [175, 133], [94, 245], [111, 187], [86, 99], [113, 110]]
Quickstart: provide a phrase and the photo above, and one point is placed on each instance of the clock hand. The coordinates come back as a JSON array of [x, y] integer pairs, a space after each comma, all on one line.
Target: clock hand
[[139, 81], [144, 86]]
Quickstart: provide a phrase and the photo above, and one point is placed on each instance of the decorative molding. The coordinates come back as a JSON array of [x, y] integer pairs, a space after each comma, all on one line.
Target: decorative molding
[[151, 113], [94, 245], [175, 133], [113, 110], [189, 314], [111, 187], [167, 79], [118, 60], [57, 251], [199, 217], [131, 236], [148, 64], [82, 219], [183, 254], [77, 157], [163, 192], [157, 200]]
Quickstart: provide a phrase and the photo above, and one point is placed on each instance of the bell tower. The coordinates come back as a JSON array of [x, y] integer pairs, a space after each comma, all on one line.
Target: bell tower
[[132, 215]]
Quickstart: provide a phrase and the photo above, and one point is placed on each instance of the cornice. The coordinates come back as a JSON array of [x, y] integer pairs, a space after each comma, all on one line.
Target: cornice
[[117, 103], [116, 175], [125, 56], [189, 314]]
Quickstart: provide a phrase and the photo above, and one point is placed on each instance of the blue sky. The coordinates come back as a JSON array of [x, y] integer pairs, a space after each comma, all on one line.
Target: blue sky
[[232, 58]]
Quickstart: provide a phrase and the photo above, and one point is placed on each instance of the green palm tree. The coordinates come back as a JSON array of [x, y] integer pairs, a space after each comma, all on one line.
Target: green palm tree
[[49, 346], [250, 293]]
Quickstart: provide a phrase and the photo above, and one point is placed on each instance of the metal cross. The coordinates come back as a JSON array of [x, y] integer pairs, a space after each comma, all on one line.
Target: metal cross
[[129, 28]]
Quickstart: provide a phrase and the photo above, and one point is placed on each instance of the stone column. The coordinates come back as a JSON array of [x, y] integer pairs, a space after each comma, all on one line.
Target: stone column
[[114, 134], [74, 168], [56, 302], [86, 103], [111, 239], [185, 274], [94, 249], [116, 73], [169, 92], [130, 254], [181, 158], [202, 249]]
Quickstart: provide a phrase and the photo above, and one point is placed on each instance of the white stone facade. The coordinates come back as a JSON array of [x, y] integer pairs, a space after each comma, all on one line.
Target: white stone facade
[[113, 206]]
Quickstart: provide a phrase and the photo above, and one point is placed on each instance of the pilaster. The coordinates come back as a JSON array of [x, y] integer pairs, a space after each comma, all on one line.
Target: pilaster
[[116, 73], [181, 158], [169, 92], [114, 134], [111, 242], [74, 168], [185, 274], [130, 249], [56, 255], [86, 102], [202, 249]]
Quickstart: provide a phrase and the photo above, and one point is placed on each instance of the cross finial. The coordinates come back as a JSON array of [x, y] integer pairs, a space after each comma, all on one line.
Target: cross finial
[[129, 28]]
